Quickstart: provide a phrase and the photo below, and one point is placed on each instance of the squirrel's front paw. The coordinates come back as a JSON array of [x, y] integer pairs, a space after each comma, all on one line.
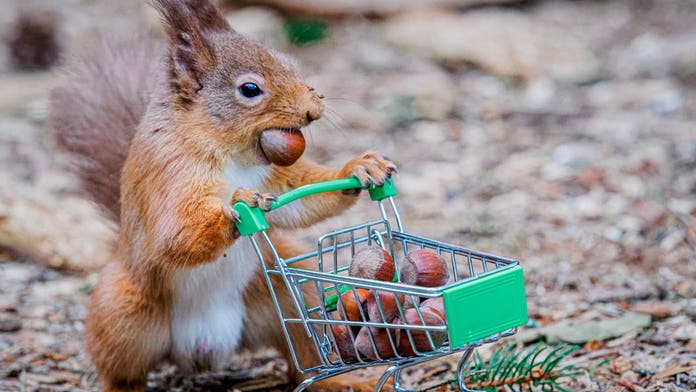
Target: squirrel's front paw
[[253, 198], [370, 168]]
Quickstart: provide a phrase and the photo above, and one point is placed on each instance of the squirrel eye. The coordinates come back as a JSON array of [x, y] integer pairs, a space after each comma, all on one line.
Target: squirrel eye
[[250, 90]]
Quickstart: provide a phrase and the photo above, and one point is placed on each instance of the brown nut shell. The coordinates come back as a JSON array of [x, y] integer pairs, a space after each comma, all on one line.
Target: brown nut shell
[[381, 337], [352, 308], [389, 306], [344, 343], [420, 338], [435, 304], [424, 267], [372, 262], [282, 147]]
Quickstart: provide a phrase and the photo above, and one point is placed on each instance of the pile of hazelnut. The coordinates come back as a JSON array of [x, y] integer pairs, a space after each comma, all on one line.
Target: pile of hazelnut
[[422, 267]]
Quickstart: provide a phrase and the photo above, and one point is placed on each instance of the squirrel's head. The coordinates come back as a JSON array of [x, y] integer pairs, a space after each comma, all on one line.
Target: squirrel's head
[[233, 94]]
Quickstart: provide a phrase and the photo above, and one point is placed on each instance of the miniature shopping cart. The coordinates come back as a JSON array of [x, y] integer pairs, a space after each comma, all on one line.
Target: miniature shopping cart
[[484, 298]]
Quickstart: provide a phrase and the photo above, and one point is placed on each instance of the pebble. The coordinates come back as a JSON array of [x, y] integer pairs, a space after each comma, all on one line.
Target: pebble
[[518, 168], [576, 154], [632, 186], [659, 55], [589, 206], [539, 94], [668, 102], [64, 287], [616, 128], [17, 273], [682, 206], [629, 223], [10, 322], [554, 171], [686, 152], [429, 132], [614, 205], [689, 308], [671, 241], [613, 233], [685, 332], [630, 377]]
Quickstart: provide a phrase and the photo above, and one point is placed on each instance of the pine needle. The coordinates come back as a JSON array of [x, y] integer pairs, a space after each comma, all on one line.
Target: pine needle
[[513, 368]]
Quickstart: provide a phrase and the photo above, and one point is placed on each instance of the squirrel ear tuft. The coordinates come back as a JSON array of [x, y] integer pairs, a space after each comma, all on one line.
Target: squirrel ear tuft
[[209, 17], [190, 52]]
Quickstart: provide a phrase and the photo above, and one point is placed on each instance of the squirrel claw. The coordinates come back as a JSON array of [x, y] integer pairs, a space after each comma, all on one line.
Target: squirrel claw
[[230, 213], [254, 198], [265, 201], [370, 168]]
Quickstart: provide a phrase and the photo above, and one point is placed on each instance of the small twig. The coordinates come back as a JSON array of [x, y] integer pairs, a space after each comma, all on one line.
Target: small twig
[[627, 385], [593, 355]]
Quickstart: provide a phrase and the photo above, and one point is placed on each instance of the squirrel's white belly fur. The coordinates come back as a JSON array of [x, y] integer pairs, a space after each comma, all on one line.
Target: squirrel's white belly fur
[[208, 310]]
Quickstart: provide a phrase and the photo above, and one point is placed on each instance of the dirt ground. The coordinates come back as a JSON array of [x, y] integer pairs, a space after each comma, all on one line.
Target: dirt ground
[[560, 133]]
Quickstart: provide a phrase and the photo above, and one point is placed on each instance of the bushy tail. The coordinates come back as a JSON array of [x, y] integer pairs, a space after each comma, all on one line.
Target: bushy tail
[[94, 116]]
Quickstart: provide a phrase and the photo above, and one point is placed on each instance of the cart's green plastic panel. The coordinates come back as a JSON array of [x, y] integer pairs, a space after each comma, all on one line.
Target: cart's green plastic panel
[[485, 306]]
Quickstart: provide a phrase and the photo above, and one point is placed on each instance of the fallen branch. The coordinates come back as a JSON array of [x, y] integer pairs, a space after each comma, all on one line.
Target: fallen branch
[[58, 231]]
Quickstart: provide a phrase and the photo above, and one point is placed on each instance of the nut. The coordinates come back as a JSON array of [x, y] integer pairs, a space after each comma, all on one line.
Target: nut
[[389, 306], [352, 307], [424, 267], [282, 147], [420, 338], [381, 337], [372, 262], [435, 304], [344, 343]]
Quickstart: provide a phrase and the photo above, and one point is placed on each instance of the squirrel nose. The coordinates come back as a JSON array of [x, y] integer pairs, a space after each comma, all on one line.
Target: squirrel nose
[[313, 115], [315, 109]]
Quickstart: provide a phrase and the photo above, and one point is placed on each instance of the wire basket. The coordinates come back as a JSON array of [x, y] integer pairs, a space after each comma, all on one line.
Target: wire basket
[[484, 298]]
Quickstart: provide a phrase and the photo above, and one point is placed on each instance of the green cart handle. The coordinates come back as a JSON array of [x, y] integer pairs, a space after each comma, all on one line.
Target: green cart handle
[[252, 219]]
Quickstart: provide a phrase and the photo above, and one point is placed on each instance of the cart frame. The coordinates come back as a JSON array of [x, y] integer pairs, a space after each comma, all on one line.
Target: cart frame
[[483, 301]]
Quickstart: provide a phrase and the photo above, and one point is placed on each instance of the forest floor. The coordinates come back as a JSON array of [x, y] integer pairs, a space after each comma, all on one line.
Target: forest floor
[[579, 160]]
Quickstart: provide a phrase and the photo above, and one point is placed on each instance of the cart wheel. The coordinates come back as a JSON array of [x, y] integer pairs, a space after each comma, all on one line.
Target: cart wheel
[[461, 368]]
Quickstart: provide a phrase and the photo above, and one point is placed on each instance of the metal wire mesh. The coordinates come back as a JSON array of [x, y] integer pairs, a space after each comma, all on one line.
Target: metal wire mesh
[[336, 334]]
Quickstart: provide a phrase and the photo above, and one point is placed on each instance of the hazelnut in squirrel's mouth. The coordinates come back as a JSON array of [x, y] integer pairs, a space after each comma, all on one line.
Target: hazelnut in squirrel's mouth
[[282, 146]]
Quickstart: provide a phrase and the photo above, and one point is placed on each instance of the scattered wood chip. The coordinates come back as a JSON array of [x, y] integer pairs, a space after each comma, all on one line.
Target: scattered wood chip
[[657, 309], [671, 371], [620, 365], [58, 357], [594, 345]]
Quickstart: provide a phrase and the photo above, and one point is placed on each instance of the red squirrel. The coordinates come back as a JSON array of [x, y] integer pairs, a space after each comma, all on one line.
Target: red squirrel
[[167, 138]]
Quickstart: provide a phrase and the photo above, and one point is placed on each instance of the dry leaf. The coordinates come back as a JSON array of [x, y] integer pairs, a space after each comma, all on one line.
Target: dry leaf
[[594, 344]]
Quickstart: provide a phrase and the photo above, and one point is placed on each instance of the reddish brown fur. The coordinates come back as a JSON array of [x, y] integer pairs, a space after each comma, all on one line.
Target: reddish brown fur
[[169, 151], [94, 116]]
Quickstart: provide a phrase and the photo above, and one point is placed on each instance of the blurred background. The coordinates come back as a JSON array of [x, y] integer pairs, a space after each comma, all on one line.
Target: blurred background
[[561, 133]]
